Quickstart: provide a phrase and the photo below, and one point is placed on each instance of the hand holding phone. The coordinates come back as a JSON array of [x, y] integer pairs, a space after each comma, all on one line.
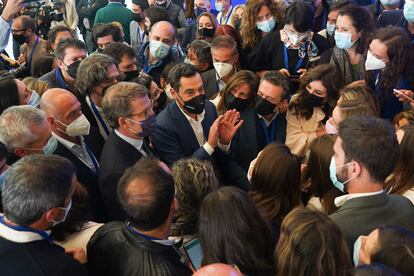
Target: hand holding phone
[[402, 96]]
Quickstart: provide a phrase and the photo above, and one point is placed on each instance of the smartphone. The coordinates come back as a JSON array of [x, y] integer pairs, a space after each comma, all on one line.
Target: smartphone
[[402, 94], [193, 250]]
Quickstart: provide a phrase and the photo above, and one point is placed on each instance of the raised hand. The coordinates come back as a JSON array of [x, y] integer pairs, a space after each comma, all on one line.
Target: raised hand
[[228, 125]]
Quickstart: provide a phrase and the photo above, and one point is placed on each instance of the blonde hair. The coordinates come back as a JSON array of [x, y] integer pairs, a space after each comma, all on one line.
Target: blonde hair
[[357, 100], [35, 84]]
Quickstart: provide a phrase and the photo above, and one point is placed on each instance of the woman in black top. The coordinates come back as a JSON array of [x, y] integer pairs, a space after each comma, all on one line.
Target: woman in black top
[[292, 49]]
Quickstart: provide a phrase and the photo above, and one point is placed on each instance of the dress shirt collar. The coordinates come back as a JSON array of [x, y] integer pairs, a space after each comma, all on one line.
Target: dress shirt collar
[[340, 200], [136, 143]]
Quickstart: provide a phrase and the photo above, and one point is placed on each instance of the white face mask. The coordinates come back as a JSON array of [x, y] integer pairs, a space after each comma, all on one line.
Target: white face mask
[[222, 68], [330, 28], [330, 128], [78, 127], [159, 49], [219, 6], [67, 209], [373, 63], [167, 90]]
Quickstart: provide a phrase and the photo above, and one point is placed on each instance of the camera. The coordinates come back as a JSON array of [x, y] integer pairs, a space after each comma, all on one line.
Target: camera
[[44, 14]]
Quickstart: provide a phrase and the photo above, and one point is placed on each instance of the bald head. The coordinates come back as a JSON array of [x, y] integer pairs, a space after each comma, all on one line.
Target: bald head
[[55, 102], [217, 270], [163, 31]]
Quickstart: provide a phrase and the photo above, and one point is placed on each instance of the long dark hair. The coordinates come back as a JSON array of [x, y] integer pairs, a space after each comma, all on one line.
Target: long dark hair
[[363, 22], [275, 188], [321, 152], [9, 95], [331, 80], [403, 176], [233, 231], [399, 52]]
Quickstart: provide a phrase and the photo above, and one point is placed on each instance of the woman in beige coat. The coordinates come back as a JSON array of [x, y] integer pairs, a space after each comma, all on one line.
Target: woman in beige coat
[[311, 106]]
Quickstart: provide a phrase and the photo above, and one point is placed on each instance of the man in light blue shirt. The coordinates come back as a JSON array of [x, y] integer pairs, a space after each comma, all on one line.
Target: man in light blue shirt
[[10, 10]]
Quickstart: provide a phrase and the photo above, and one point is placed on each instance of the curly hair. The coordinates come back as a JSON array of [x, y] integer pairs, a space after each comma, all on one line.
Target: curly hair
[[328, 75], [249, 32], [194, 180], [399, 54]]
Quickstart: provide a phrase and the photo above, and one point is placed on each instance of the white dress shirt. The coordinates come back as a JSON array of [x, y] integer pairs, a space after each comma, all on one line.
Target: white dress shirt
[[19, 236], [199, 133], [136, 143], [340, 200]]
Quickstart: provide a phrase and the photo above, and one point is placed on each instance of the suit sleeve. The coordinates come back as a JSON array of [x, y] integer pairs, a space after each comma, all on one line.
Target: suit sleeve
[[235, 174], [167, 146], [108, 187]]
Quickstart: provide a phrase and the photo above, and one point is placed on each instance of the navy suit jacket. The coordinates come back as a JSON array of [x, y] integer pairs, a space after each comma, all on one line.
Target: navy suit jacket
[[174, 137], [248, 142]]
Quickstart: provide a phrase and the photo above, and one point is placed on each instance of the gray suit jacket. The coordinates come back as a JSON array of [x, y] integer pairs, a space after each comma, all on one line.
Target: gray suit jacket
[[359, 216], [210, 83]]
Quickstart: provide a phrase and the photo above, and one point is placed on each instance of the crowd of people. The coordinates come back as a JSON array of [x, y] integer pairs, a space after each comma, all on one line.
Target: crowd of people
[[268, 138]]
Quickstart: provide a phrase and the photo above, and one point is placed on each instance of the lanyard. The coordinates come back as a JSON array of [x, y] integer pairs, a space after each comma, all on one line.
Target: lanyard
[[60, 80], [98, 115], [269, 138], [92, 157], [29, 63], [43, 234], [227, 18], [286, 60]]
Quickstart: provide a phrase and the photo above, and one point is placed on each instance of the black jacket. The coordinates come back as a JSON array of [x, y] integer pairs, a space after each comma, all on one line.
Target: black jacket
[[115, 249], [394, 18], [95, 139], [117, 155], [210, 83], [37, 258], [249, 141], [89, 180]]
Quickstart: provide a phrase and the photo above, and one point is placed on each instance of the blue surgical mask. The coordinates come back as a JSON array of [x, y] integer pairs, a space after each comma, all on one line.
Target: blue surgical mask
[[357, 248], [390, 3], [51, 146], [219, 6], [34, 99], [332, 173], [409, 11], [148, 126], [266, 25], [330, 28], [159, 49], [67, 209], [343, 40]]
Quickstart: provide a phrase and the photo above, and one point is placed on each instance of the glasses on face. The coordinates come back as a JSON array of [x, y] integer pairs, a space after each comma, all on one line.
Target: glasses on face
[[18, 31]]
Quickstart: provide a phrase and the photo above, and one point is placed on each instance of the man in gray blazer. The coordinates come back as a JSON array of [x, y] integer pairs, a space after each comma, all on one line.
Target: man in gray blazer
[[365, 153]]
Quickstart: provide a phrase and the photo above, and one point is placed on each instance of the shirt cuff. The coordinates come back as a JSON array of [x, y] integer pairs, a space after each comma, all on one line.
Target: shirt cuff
[[209, 149], [225, 148]]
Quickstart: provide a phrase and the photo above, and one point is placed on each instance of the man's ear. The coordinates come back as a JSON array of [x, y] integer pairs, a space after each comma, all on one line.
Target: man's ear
[[19, 152]]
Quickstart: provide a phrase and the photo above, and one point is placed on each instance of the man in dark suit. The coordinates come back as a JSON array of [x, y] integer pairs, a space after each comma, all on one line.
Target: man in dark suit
[[96, 73], [37, 195], [68, 53], [128, 110], [225, 59], [69, 127], [189, 127], [262, 125], [365, 153]]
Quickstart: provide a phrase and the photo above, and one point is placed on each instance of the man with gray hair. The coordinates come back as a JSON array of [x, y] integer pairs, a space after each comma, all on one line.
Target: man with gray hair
[[95, 74], [128, 110], [37, 194], [24, 130]]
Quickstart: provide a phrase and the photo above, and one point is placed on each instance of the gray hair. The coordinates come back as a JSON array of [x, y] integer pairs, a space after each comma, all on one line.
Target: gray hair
[[35, 184], [15, 123], [116, 102], [92, 71]]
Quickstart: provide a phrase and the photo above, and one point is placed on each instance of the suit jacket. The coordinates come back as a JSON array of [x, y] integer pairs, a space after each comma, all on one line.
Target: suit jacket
[[249, 141], [117, 155], [210, 83], [359, 216], [89, 179], [95, 138]]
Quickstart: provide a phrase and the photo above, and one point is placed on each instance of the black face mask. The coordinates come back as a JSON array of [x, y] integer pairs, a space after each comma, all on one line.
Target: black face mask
[[263, 106], [232, 102], [198, 11], [20, 38], [73, 68], [237, 23], [196, 104], [205, 32], [312, 100], [138, 17], [129, 75]]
